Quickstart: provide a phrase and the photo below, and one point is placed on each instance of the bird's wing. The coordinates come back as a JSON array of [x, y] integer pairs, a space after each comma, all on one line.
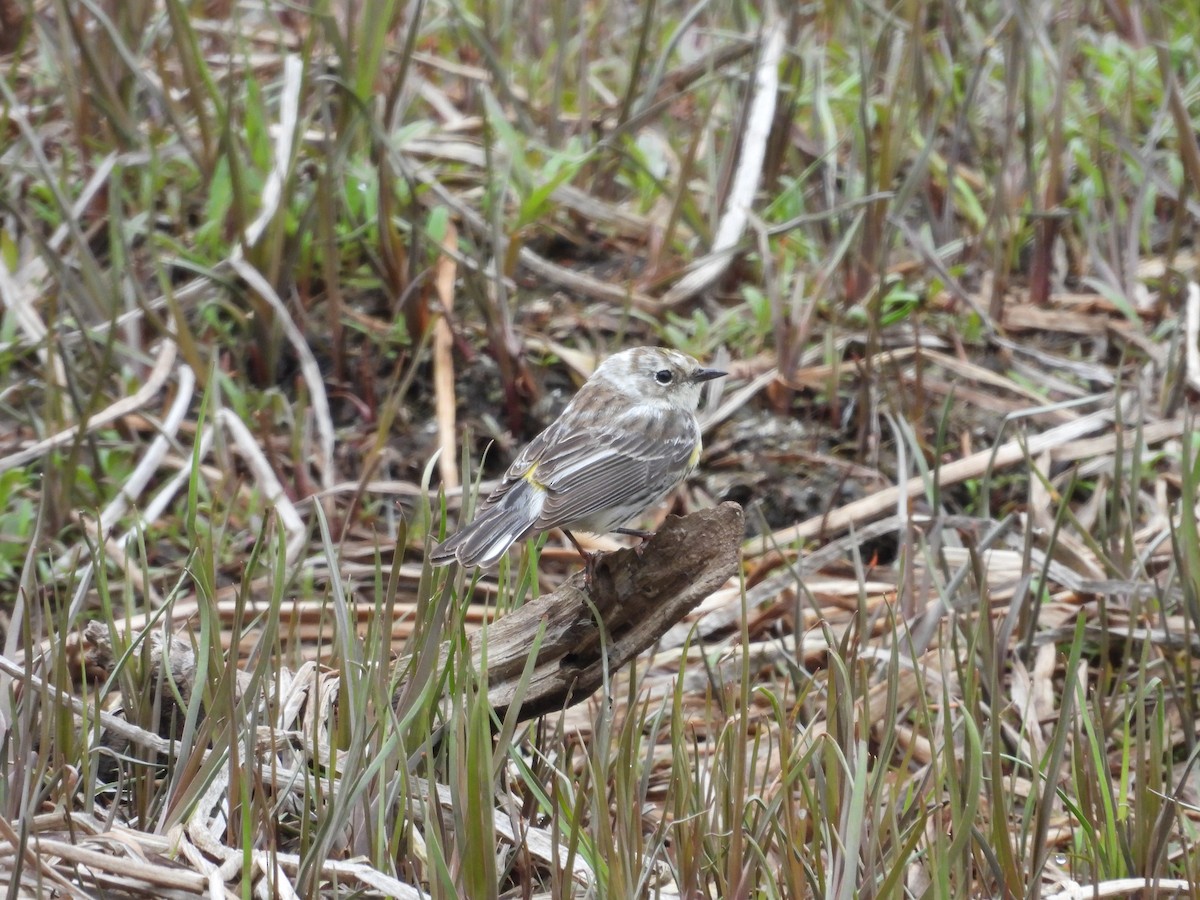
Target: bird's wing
[[601, 466]]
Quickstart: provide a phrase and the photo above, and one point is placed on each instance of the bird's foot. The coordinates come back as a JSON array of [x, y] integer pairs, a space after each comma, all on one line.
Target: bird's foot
[[637, 533], [590, 560], [634, 532]]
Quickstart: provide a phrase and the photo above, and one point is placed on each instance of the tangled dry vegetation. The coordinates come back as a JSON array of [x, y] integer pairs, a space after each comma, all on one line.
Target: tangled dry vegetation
[[284, 286]]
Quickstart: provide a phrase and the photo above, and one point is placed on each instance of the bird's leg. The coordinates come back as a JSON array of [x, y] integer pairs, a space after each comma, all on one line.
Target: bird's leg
[[574, 543], [634, 532], [637, 533], [589, 559]]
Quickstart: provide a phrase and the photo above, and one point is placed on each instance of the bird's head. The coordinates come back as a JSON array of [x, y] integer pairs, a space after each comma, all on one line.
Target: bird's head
[[655, 375]]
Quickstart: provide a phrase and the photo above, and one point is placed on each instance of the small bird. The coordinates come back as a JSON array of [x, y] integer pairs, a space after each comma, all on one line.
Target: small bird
[[624, 441]]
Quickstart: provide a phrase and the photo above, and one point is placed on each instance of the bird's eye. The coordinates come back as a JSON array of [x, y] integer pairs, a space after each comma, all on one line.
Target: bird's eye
[[663, 376]]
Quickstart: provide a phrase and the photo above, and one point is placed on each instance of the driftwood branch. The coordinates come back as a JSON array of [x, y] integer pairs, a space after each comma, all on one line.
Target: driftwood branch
[[636, 595]]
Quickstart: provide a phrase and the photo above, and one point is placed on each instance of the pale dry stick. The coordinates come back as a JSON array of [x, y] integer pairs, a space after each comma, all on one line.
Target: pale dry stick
[[1040, 507], [746, 179], [304, 355], [586, 285], [383, 884], [205, 846], [902, 438], [1003, 568], [98, 180], [1123, 887], [123, 407], [1008, 454], [122, 868], [395, 488], [443, 365], [814, 375], [35, 859], [452, 117], [272, 876], [1029, 744], [1054, 363], [1030, 317], [154, 509], [284, 134], [596, 211], [293, 525], [444, 403], [196, 858], [1192, 334], [1086, 448], [1152, 268], [580, 362], [209, 816], [130, 491], [439, 62], [160, 501], [292, 695], [186, 608], [116, 724], [1176, 639], [1043, 692]]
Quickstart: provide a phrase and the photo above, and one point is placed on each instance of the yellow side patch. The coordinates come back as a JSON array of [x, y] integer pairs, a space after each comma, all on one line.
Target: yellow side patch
[[529, 476], [695, 457]]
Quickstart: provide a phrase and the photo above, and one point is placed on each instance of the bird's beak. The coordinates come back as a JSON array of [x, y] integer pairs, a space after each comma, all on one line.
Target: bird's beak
[[706, 375]]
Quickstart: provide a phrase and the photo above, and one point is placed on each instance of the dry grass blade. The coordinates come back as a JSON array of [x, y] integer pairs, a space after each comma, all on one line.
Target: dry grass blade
[[163, 366], [443, 365]]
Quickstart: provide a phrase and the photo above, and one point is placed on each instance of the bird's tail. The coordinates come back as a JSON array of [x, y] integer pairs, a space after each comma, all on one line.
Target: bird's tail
[[494, 530]]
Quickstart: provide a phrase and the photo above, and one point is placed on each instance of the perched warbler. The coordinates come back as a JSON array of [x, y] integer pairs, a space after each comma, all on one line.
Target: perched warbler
[[623, 442]]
